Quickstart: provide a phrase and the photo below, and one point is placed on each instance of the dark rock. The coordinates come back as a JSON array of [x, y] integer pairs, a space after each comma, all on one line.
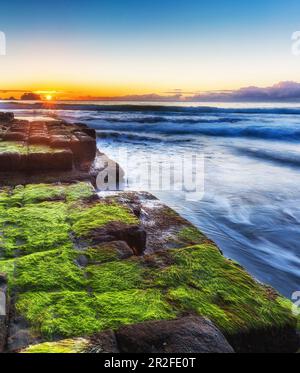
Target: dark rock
[[20, 335], [60, 161], [86, 148], [31, 96], [123, 250], [134, 236], [12, 161], [271, 340], [103, 343], [6, 117], [82, 260], [15, 136], [186, 335]]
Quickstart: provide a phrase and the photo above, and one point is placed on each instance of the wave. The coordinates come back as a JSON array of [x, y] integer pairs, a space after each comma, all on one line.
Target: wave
[[150, 120], [131, 108], [123, 136], [271, 132], [286, 158]]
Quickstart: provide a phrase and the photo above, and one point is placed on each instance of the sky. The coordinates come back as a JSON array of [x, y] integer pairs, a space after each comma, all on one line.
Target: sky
[[105, 48]]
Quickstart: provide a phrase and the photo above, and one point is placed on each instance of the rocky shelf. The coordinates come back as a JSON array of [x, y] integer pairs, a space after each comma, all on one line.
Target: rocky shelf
[[120, 272]]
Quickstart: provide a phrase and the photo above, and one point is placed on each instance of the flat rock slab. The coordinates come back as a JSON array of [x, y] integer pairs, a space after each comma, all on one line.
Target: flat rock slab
[[44, 146]]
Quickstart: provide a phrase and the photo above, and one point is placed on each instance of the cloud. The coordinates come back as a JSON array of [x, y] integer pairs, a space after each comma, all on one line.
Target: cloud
[[283, 91], [288, 91]]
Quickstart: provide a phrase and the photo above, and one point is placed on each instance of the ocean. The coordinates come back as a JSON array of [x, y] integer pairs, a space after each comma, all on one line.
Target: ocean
[[251, 201]]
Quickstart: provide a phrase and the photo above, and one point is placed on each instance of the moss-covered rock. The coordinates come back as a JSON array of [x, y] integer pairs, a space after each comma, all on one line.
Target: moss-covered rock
[[33, 228], [65, 286], [66, 346], [86, 219], [68, 314]]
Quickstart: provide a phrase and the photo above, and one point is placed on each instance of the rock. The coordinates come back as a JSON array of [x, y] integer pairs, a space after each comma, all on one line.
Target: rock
[[31, 96], [87, 147], [77, 141], [15, 136], [3, 311], [87, 131], [186, 335], [38, 139], [134, 236], [6, 117], [10, 161], [270, 340], [59, 141], [122, 248], [103, 343], [59, 161], [20, 335]]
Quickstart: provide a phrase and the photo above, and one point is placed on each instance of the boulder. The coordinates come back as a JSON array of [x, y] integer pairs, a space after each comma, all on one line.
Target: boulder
[[186, 335]]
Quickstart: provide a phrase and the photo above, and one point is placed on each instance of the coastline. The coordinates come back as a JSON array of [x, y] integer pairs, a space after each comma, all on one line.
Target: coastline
[[133, 260]]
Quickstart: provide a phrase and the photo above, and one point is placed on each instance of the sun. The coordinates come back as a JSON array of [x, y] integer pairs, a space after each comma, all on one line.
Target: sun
[[49, 97]]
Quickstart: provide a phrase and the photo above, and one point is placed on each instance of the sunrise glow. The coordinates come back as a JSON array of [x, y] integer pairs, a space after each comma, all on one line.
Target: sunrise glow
[[196, 49]]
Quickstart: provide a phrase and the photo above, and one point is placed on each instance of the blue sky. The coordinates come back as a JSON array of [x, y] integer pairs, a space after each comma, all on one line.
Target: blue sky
[[132, 46]]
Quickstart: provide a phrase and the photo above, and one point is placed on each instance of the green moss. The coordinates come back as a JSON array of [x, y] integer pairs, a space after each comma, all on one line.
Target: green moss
[[132, 306], [7, 267], [114, 276], [66, 346], [36, 193], [43, 149], [191, 236], [33, 228], [4, 198], [60, 299], [69, 314], [52, 270], [13, 147], [101, 254], [63, 314], [86, 219], [202, 280], [78, 191]]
